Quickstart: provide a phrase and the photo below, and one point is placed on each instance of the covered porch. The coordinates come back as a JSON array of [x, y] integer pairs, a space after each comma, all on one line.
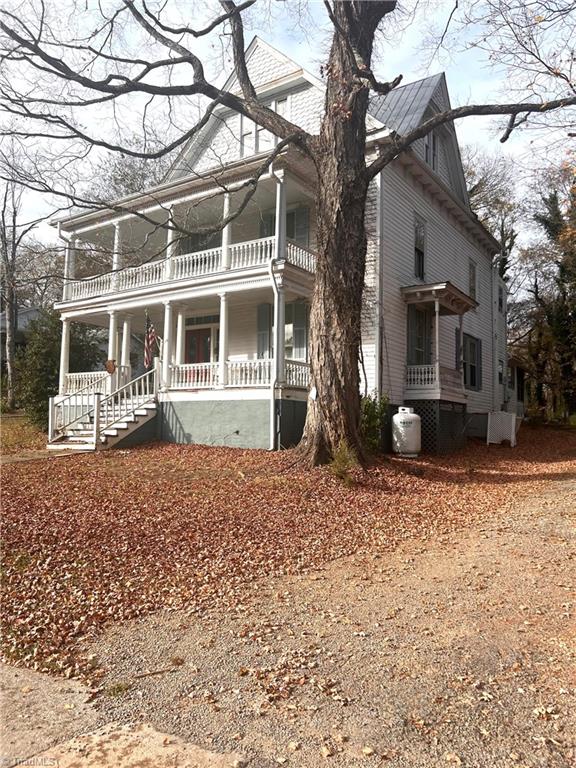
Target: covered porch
[[222, 341], [426, 377]]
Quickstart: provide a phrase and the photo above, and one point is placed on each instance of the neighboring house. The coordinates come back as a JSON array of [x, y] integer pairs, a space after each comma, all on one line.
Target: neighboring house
[[23, 317], [232, 307]]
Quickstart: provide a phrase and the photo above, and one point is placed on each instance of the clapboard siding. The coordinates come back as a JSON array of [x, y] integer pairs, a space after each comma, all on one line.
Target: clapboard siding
[[448, 251], [242, 327], [219, 143]]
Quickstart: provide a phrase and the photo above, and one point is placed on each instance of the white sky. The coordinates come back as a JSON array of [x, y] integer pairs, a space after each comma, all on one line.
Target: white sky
[[470, 78]]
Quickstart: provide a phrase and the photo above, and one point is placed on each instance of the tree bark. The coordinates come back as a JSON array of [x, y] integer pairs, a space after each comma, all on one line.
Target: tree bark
[[333, 415]]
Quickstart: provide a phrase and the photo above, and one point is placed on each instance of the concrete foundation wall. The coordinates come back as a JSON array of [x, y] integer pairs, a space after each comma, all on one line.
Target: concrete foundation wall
[[237, 423]]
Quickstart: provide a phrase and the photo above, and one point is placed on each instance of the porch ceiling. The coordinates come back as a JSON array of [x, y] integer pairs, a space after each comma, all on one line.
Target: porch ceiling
[[452, 300]]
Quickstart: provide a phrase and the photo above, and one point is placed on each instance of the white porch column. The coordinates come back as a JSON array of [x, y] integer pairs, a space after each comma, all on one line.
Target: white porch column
[[279, 332], [113, 346], [226, 233], [64, 356], [69, 266], [180, 336], [113, 335], [223, 341], [126, 333], [116, 252], [280, 228], [171, 246], [437, 339], [167, 344]]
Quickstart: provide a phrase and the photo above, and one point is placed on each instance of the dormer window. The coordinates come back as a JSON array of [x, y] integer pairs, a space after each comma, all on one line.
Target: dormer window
[[431, 149]]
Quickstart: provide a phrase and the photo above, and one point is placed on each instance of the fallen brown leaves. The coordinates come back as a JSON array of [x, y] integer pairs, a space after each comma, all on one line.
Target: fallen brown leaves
[[18, 435], [111, 536]]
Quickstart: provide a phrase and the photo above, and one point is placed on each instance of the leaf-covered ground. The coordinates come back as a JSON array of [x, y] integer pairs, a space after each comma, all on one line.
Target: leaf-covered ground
[[17, 435], [96, 538]]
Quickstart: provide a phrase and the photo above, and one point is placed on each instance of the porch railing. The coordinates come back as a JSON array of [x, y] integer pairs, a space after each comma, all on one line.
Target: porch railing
[[96, 381], [194, 264], [194, 376], [300, 256], [253, 253], [297, 374], [93, 381], [249, 373]]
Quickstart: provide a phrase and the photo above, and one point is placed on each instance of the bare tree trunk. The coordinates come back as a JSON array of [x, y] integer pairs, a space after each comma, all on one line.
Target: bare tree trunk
[[10, 345], [333, 415]]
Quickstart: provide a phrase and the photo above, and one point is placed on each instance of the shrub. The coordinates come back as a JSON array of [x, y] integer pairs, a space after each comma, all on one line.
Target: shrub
[[374, 410], [344, 461], [38, 364]]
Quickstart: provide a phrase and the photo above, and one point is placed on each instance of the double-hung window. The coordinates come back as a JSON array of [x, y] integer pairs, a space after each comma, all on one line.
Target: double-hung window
[[253, 138], [472, 359], [472, 280], [431, 150], [419, 247]]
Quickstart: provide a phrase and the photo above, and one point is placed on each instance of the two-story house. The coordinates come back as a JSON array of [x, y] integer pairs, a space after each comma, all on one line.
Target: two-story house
[[232, 305]]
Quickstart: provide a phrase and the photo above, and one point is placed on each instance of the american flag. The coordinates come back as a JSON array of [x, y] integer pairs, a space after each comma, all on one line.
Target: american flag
[[150, 342]]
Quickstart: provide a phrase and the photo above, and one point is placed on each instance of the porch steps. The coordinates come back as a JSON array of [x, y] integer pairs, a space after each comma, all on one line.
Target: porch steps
[[80, 437]]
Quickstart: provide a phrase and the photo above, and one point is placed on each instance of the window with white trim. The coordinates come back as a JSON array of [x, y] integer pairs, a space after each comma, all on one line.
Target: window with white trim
[[253, 138], [472, 359]]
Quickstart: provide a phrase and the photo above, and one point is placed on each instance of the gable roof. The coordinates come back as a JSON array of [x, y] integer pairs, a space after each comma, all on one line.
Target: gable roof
[[406, 107], [403, 109]]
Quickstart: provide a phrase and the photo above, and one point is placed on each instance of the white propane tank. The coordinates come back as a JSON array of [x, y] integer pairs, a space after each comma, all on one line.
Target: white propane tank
[[406, 433]]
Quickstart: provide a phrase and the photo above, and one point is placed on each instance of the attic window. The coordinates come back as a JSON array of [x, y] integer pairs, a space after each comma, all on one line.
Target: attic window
[[254, 139], [431, 149]]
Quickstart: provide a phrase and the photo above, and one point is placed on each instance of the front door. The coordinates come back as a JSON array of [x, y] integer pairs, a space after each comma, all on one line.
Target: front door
[[198, 345]]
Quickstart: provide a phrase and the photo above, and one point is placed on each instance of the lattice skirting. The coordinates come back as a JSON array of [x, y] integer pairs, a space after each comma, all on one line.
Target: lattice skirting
[[443, 424]]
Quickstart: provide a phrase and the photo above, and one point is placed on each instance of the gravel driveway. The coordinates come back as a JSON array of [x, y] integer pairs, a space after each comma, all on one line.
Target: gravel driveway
[[458, 651]]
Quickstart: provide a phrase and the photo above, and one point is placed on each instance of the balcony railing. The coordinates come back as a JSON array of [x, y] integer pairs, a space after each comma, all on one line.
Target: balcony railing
[[428, 377], [247, 255]]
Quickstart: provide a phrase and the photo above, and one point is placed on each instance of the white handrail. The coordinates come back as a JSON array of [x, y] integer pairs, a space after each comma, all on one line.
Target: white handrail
[[60, 425], [125, 400]]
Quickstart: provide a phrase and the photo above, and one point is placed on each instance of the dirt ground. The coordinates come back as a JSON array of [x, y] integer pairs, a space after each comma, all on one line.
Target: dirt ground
[[452, 652]]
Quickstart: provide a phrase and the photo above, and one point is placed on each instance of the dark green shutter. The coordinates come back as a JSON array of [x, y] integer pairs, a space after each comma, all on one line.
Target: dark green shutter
[[457, 348], [478, 364], [264, 328]]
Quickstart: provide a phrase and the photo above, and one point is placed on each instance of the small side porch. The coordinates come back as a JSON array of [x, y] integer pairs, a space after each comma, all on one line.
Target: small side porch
[[427, 378]]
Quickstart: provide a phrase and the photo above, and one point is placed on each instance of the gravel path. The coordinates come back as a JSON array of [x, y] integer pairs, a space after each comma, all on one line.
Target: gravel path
[[458, 651]]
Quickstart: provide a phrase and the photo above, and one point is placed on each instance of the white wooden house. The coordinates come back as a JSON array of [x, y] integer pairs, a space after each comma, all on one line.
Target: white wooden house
[[232, 307]]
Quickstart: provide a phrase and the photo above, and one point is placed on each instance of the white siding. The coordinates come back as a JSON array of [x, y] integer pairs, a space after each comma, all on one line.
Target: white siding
[[448, 251]]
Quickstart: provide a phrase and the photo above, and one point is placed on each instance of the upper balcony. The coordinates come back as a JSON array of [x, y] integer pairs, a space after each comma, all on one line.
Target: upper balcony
[[214, 261], [214, 235]]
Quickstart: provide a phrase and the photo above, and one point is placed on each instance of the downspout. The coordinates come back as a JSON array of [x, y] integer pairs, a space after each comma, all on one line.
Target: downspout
[[378, 278], [273, 377]]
